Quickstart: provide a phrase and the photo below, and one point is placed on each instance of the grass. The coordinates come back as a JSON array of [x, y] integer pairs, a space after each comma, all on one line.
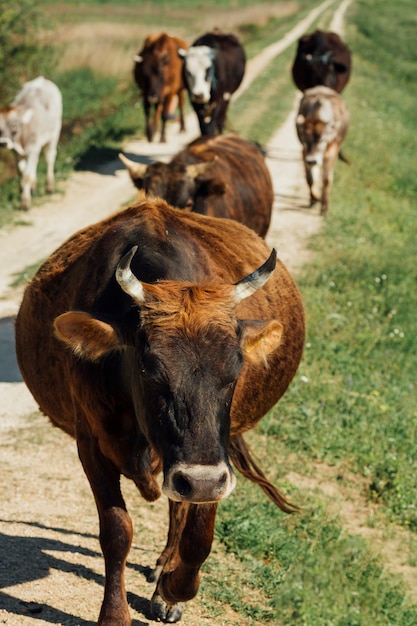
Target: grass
[[352, 406]]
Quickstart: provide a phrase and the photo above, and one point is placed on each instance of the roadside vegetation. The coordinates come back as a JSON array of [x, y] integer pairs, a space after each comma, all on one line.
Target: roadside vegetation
[[349, 420]]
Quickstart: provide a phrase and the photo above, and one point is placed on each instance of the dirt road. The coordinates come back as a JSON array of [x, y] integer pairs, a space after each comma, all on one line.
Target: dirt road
[[51, 571]]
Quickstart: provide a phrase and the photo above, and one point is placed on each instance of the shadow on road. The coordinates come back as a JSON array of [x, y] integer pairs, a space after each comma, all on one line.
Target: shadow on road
[[27, 559], [9, 370]]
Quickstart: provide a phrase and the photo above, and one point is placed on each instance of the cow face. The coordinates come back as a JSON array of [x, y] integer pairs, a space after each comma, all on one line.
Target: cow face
[[152, 69], [316, 129], [184, 361], [199, 73], [182, 186], [11, 122]]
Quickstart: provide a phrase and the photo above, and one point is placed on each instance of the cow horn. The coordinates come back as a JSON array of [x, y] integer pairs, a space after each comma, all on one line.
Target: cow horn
[[127, 280], [135, 169], [248, 285], [200, 168], [137, 58]]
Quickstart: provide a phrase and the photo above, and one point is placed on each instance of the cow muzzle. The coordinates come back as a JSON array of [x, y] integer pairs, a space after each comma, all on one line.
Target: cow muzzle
[[313, 159], [199, 483]]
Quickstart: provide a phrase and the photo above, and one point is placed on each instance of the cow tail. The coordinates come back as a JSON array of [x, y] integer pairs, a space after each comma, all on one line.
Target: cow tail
[[343, 158], [243, 461]]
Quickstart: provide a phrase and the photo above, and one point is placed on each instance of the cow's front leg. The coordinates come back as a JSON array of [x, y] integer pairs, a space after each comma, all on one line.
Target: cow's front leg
[[329, 163], [28, 168], [149, 121], [189, 543], [115, 530], [312, 170]]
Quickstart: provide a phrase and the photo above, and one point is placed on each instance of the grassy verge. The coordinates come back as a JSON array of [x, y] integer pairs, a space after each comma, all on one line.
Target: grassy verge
[[353, 404]]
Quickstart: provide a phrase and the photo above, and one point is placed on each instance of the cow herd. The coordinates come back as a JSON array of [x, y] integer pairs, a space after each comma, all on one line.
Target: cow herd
[[159, 336]]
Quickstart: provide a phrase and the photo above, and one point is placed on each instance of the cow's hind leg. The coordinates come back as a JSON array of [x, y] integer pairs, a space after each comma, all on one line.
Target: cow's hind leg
[[28, 168], [50, 157], [115, 530], [189, 543]]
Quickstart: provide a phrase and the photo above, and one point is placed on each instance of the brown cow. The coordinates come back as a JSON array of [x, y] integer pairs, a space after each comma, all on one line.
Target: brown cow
[[322, 58], [322, 123], [156, 338], [222, 176], [158, 74]]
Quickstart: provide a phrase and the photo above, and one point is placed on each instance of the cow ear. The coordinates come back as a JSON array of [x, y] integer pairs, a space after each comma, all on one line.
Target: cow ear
[[213, 186], [259, 339], [27, 116], [88, 337]]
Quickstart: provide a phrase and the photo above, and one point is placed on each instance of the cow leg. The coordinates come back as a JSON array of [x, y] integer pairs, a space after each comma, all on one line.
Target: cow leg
[[329, 162], [161, 112], [116, 530], [181, 105], [189, 543], [50, 156], [149, 122], [219, 116], [313, 176], [28, 169]]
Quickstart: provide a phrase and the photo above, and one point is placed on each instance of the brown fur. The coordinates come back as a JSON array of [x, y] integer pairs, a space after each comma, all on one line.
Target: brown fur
[[105, 390], [159, 77]]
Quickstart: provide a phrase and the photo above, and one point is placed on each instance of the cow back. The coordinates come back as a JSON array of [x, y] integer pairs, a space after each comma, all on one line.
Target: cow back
[[247, 198]]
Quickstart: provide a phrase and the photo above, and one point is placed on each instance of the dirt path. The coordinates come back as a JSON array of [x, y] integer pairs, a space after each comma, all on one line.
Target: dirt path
[[51, 570]]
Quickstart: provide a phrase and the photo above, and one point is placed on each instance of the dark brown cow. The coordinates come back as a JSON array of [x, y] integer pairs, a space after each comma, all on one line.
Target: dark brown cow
[[222, 176], [322, 58], [214, 66], [154, 340], [158, 74]]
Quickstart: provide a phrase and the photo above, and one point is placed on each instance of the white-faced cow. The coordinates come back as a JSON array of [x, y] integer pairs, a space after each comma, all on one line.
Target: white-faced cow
[[222, 176], [213, 69], [30, 124], [322, 58], [322, 123], [156, 338], [158, 74]]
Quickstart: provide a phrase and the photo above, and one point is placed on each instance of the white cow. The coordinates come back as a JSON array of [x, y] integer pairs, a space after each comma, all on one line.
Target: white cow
[[31, 123], [322, 123]]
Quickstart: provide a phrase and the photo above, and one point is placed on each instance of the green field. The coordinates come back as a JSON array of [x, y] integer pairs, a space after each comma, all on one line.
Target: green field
[[343, 441]]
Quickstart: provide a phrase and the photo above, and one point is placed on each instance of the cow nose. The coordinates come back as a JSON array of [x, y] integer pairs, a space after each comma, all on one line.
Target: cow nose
[[311, 160], [199, 98], [199, 483]]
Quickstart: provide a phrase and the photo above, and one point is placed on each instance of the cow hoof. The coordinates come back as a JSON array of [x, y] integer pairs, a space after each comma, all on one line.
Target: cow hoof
[[162, 612]]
